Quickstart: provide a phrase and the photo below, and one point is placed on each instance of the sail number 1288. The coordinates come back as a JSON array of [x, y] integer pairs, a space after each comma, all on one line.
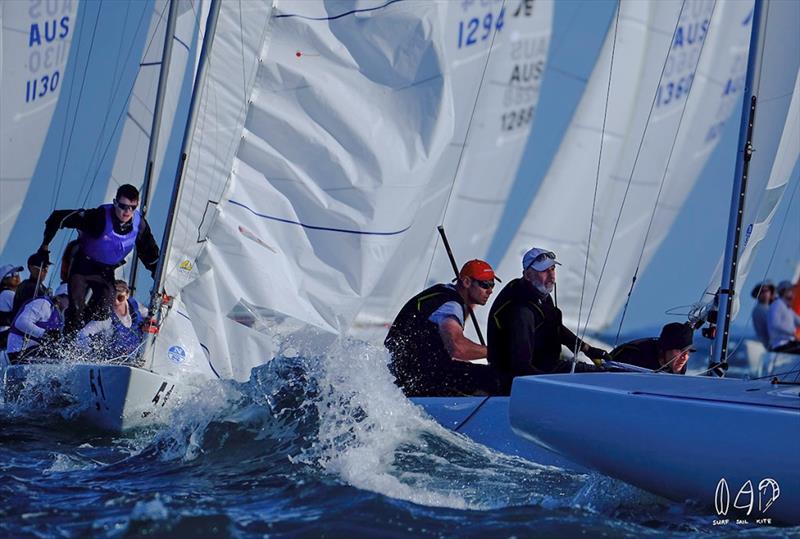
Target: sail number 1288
[[479, 29]]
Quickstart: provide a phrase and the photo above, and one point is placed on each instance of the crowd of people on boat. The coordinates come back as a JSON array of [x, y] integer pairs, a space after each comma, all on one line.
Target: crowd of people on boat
[[776, 315], [431, 356], [90, 310]]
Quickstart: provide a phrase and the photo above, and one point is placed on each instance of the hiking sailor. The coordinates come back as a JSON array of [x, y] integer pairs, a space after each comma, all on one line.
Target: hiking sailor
[[430, 354], [525, 327], [120, 335], [764, 294], [783, 321], [36, 328], [107, 235], [669, 352], [9, 281], [32, 287]]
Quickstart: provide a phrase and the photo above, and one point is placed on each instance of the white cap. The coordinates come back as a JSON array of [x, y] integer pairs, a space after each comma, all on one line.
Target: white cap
[[5, 269]]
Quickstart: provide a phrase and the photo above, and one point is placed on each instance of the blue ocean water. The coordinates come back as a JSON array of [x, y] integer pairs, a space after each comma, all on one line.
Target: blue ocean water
[[323, 447]]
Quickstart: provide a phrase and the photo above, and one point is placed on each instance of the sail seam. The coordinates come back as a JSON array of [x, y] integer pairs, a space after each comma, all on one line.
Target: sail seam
[[317, 227], [334, 17]]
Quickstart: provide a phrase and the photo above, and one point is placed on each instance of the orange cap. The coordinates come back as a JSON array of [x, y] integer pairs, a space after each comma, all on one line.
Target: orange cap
[[478, 269]]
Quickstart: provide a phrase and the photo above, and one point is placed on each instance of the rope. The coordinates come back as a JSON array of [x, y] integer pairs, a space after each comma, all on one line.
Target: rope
[[596, 188]]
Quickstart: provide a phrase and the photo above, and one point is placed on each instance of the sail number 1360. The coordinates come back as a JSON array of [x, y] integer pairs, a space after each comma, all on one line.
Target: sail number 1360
[[479, 29]]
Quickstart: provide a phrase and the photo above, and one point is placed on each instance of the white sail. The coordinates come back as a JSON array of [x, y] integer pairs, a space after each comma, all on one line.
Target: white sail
[[130, 161], [776, 138], [513, 59], [653, 123], [35, 39], [320, 134], [498, 135]]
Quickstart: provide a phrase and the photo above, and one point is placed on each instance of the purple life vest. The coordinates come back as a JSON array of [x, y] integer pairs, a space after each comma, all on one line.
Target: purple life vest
[[111, 248], [56, 320], [124, 340]]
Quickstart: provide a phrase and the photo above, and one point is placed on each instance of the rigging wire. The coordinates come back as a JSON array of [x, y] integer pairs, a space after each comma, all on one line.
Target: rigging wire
[[661, 183], [597, 180], [464, 145]]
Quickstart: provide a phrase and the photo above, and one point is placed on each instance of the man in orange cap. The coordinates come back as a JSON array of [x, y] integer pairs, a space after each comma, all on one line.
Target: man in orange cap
[[430, 354]]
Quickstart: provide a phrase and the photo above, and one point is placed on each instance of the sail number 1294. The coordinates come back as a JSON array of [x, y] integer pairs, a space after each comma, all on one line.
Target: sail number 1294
[[479, 29]]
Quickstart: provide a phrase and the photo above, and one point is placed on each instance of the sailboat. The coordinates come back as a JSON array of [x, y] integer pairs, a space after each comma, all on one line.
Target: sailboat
[[317, 133], [664, 432]]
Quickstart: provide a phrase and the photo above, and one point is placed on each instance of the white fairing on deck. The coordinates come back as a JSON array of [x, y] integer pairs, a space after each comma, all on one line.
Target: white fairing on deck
[[653, 123], [35, 39]]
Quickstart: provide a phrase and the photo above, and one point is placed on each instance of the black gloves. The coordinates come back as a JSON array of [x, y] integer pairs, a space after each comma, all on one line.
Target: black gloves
[[597, 355]]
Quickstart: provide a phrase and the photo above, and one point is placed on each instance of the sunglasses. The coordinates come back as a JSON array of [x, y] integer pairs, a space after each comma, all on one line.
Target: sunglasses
[[541, 257], [486, 285], [125, 207]]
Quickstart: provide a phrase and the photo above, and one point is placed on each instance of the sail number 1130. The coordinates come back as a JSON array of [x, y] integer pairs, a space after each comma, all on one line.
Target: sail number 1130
[[41, 86], [479, 29]]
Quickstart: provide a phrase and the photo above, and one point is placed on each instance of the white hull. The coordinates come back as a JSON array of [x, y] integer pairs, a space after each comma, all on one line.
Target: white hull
[[676, 436], [111, 398], [487, 423]]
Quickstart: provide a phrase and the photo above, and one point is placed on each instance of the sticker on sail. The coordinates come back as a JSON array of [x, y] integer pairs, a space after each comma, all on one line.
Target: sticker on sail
[[176, 354], [186, 266], [252, 237]]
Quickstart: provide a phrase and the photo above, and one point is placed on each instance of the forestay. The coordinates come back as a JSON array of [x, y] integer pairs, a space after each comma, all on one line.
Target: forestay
[[511, 47], [642, 137], [35, 39], [776, 138], [130, 161], [321, 131]]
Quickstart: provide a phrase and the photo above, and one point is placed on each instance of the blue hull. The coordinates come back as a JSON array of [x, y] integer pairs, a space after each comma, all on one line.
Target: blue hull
[[487, 423]]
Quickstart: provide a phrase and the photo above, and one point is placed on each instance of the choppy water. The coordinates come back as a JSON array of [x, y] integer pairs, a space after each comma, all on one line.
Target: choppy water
[[322, 447]]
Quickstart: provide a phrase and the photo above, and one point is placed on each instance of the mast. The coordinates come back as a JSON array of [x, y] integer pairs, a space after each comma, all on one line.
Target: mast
[[745, 146], [163, 74], [177, 189]]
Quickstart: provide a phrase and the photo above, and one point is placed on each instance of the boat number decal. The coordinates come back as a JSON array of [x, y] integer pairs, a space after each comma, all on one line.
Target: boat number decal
[[745, 501], [176, 354], [157, 396]]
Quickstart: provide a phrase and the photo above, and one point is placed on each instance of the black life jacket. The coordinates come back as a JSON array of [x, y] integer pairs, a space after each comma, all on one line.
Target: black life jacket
[[419, 357]]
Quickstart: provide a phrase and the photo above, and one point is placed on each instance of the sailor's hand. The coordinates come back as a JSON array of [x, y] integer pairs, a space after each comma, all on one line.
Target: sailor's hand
[[51, 336], [597, 355]]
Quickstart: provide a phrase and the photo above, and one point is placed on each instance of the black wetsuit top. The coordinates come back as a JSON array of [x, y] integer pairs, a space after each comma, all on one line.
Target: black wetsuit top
[[642, 353], [526, 333], [420, 362]]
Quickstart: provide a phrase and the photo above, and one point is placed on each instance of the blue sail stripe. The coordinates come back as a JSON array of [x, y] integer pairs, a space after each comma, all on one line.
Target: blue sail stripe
[[334, 17], [315, 227]]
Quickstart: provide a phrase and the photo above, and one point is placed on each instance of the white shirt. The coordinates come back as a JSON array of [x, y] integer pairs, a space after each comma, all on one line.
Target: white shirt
[[102, 327], [781, 323], [6, 303], [38, 310]]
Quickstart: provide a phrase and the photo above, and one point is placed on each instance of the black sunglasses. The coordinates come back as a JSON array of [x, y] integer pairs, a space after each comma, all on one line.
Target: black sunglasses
[[484, 284], [124, 207]]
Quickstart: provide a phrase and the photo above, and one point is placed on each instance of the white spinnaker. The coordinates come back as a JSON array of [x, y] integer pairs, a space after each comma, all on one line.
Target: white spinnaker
[[515, 54], [560, 216], [35, 39], [776, 138], [307, 168], [129, 164]]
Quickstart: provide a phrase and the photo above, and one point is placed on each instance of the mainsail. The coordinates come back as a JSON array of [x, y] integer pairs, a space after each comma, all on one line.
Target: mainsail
[[35, 39], [491, 136], [666, 80], [776, 138], [320, 134]]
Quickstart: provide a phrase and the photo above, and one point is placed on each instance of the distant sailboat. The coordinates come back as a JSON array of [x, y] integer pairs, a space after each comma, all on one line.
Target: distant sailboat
[[664, 429]]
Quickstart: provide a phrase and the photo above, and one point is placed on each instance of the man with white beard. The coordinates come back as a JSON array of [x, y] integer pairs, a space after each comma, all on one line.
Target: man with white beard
[[525, 327]]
